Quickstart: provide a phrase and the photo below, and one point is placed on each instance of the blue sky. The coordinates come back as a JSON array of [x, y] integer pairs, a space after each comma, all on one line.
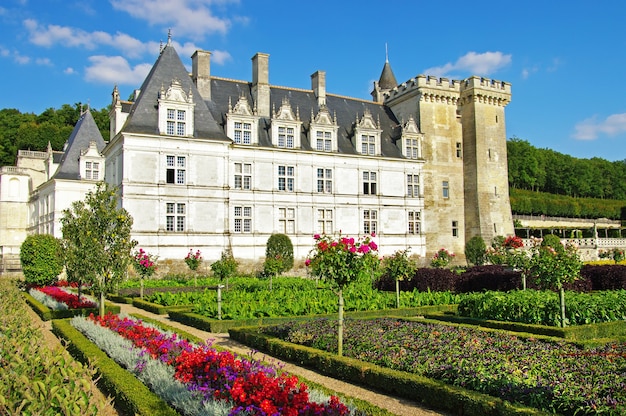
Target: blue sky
[[564, 59]]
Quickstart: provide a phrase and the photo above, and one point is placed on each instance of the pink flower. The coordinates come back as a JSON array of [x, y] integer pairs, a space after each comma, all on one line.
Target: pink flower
[[364, 249], [307, 262], [373, 234], [373, 245], [352, 249], [317, 236]]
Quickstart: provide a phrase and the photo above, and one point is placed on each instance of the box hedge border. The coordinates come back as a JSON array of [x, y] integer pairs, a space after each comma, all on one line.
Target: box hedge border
[[47, 314], [159, 309], [431, 393], [222, 326], [131, 395], [589, 332]]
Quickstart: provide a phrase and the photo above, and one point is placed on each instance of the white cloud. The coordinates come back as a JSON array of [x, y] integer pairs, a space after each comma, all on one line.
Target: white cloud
[[473, 63], [43, 61], [220, 57], [591, 128], [69, 71], [115, 70], [50, 35], [193, 18]]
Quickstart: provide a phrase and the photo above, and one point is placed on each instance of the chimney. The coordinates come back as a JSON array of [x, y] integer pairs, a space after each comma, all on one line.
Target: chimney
[[260, 83], [201, 73], [318, 85]]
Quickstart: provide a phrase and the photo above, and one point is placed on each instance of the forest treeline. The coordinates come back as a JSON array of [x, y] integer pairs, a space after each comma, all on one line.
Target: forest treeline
[[542, 181], [28, 131]]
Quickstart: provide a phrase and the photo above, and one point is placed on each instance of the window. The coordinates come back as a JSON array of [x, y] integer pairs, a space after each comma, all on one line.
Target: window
[[370, 221], [175, 217], [324, 221], [445, 186], [176, 122], [243, 176], [243, 219], [324, 141], [92, 170], [414, 222], [459, 150], [412, 150], [286, 178], [412, 185], [287, 220], [368, 145], [176, 169], [455, 228], [242, 133], [369, 183], [325, 180], [285, 137]]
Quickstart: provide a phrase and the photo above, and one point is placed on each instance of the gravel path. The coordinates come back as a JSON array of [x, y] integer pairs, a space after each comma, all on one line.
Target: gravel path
[[398, 406]]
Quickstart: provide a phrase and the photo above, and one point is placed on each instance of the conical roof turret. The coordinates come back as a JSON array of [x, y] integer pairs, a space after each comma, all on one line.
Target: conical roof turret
[[387, 79]]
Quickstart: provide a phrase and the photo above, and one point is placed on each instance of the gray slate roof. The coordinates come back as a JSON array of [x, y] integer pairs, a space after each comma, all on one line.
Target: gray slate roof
[[143, 117], [346, 109], [387, 79], [84, 132]]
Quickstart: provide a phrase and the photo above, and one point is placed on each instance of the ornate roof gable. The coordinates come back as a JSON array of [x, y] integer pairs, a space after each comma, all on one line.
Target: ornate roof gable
[[285, 112], [367, 121], [242, 107], [176, 93]]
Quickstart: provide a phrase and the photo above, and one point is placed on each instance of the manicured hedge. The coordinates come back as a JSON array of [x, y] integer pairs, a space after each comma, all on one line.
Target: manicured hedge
[[216, 326], [47, 314], [130, 394], [430, 392]]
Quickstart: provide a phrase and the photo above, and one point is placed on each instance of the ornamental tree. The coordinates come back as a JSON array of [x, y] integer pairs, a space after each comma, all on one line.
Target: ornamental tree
[[145, 266], [554, 266], [340, 262], [41, 258], [97, 232], [399, 267]]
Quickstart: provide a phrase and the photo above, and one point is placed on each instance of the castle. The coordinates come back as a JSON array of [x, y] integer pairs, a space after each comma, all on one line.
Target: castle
[[211, 163]]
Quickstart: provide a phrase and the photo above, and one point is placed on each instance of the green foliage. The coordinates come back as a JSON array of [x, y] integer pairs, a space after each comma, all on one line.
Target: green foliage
[[226, 266], [36, 378], [475, 250], [193, 260], [41, 256], [553, 241], [98, 234], [279, 251], [542, 307], [398, 266], [542, 203], [441, 258]]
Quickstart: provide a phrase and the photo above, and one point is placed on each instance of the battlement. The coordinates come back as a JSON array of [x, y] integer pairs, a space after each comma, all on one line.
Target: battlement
[[486, 83]]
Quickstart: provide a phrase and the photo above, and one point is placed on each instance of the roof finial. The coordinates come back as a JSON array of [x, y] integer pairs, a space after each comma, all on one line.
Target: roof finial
[[386, 53], [169, 36]]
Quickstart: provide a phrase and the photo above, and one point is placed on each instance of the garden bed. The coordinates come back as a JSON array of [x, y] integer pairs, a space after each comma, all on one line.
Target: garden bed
[[47, 314], [554, 376]]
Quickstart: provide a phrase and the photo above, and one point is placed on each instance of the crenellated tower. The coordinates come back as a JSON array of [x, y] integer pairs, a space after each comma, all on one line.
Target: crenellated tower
[[487, 204]]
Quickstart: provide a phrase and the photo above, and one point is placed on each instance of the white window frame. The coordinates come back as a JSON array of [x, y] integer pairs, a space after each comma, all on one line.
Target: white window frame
[[324, 140], [445, 189], [325, 221], [324, 180], [176, 169], [286, 178], [412, 185], [175, 217], [370, 221], [242, 219], [411, 147], [414, 222], [243, 176], [370, 182], [287, 220]]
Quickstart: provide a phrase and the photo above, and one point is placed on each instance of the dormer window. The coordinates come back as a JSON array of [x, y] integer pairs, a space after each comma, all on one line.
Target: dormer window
[[176, 111], [242, 122], [91, 163], [286, 127], [411, 140], [367, 133], [323, 131]]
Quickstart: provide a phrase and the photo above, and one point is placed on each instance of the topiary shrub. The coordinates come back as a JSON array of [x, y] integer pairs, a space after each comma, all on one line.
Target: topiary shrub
[[553, 241], [279, 247], [475, 250], [42, 259]]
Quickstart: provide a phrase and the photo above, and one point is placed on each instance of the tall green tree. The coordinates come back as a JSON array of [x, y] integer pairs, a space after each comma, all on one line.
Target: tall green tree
[[98, 233]]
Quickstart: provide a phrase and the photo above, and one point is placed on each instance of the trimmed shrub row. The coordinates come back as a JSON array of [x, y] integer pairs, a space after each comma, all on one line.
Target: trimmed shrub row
[[503, 279], [216, 326], [430, 392], [47, 314]]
